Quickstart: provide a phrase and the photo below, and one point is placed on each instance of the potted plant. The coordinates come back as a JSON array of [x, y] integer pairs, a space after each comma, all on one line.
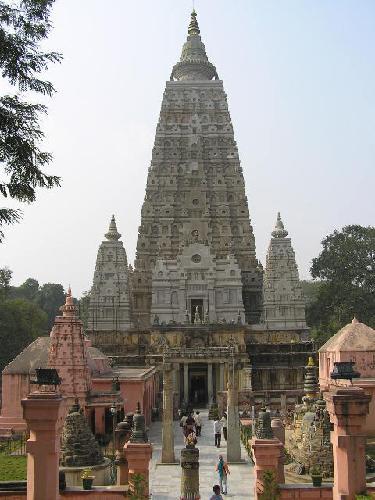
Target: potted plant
[[87, 479], [316, 475]]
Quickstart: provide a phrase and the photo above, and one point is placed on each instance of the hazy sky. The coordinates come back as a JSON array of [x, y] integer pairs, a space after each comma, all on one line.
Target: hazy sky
[[300, 79]]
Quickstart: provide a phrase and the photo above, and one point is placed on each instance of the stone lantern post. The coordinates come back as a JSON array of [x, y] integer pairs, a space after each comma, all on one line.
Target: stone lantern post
[[167, 453], [190, 472], [348, 408], [234, 443], [122, 436]]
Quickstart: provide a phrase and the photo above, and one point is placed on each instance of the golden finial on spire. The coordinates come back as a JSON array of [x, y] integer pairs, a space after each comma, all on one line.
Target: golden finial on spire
[[193, 26]]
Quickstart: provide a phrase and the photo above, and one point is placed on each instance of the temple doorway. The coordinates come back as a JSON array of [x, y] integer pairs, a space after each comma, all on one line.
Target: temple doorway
[[198, 385], [194, 304]]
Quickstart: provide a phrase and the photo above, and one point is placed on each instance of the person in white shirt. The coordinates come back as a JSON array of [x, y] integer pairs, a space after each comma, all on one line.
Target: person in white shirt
[[224, 424], [217, 431], [198, 423]]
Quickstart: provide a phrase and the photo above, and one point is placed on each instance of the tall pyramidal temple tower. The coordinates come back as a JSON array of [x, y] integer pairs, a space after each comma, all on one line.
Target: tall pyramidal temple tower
[[283, 301], [196, 248], [109, 308]]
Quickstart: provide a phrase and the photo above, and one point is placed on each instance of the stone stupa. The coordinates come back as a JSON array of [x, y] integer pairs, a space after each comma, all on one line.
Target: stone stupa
[[80, 450], [308, 441]]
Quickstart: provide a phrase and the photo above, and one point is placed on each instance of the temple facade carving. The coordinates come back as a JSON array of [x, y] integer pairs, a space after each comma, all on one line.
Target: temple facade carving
[[197, 288]]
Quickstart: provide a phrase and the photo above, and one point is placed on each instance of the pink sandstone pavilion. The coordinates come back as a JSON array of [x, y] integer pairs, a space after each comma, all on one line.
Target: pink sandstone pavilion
[[354, 342], [85, 373]]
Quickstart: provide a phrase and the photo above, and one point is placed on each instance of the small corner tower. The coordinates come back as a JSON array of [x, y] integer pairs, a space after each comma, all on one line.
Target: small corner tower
[[109, 308], [67, 353], [283, 301]]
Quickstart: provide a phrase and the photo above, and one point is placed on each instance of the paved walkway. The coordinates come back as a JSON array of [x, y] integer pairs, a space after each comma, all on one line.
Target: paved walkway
[[165, 479]]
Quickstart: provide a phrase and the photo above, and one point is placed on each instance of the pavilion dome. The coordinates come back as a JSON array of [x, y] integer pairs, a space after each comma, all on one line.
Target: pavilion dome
[[355, 336]]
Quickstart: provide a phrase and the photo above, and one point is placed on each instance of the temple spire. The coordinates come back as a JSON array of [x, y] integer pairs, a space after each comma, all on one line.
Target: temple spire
[[279, 231], [69, 309], [194, 63], [113, 234], [193, 26]]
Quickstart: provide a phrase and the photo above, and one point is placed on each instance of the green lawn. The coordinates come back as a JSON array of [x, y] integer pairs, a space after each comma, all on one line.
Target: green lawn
[[12, 468]]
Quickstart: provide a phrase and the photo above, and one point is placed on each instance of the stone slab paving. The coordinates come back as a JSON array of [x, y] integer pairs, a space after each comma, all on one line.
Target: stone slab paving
[[165, 479]]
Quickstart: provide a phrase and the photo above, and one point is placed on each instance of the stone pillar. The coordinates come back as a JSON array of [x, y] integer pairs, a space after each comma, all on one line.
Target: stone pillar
[[175, 373], [278, 430], [122, 436], [234, 443], [348, 407], [186, 383], [283, 403], [167, 452], [221, 377], [266, 454], [41, 410], [138, 452], [209, 383], [265, 380], [246, 378], [190, 473]]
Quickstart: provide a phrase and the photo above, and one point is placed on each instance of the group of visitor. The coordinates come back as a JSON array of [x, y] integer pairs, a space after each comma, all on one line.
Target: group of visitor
[[191, 426]]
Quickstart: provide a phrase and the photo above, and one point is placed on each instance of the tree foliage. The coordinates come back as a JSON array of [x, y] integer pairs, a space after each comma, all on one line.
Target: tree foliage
[[26, 312], [50, 298], [21, 322], [24, 24], [5, 277], [83, 308], [346, 270]]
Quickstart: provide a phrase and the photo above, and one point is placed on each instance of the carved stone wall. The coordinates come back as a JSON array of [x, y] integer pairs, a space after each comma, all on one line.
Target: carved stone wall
[[197, 275]]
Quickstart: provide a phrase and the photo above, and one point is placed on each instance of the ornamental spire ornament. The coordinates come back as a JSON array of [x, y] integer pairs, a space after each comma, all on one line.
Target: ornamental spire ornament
[[113, 234], [193, 26], [194, 63], [279, 231]]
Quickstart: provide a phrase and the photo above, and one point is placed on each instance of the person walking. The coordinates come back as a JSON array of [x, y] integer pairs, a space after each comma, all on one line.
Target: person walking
[[216, 495], [217, 432], [224, 424], [223, 471], [198, 423]]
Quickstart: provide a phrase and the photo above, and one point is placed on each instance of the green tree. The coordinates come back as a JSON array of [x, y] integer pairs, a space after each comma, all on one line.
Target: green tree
[[21, 322], [346, 270], [5, 277], [28, 290], [83, 308], [50, 298], [24, 24]]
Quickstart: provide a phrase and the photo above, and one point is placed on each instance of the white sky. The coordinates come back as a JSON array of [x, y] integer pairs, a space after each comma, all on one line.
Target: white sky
[[300, 79]]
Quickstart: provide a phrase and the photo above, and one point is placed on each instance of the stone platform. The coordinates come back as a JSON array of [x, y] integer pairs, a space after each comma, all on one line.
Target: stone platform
[[165, 479]]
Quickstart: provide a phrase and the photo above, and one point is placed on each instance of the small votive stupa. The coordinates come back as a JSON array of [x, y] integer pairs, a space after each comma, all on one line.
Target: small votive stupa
[[308, 439], [80, 451]]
